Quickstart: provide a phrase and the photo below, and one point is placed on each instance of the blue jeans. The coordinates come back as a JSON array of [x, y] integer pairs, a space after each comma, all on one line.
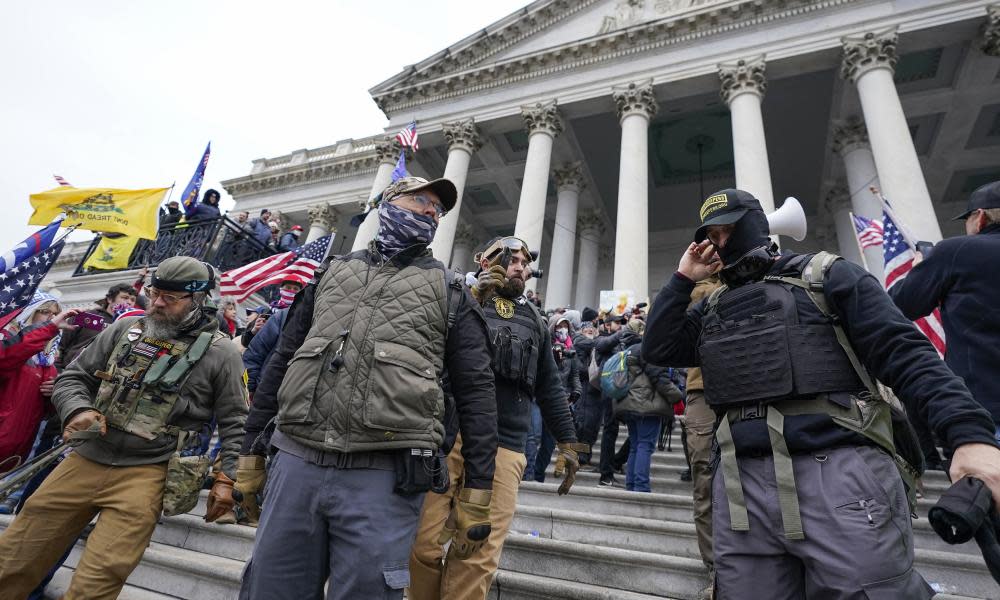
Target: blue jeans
[[531, 445], [642, 435], [544, 455]]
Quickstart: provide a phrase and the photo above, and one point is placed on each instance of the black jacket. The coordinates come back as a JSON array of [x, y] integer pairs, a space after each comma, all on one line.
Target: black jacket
[[467, 362], [892, 349], [606, 345], [962, 275]]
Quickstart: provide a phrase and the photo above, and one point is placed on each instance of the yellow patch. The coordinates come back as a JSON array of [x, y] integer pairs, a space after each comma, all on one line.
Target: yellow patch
[[505, 307], [712, 204]]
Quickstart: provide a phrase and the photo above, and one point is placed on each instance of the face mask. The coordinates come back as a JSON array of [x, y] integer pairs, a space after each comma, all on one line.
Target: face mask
[[749, 233], [400, 228]]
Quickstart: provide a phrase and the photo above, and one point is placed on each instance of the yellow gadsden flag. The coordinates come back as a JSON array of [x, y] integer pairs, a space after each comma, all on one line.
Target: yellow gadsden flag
[[112, 253], [132, 212]]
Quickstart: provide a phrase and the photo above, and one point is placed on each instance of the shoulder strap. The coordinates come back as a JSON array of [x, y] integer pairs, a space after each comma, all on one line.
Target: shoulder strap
[[455, 290], [188, 360], [713, 298]]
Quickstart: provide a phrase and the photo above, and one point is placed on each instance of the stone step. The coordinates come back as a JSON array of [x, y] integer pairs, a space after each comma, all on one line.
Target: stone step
[[509, 585], [59, 585]]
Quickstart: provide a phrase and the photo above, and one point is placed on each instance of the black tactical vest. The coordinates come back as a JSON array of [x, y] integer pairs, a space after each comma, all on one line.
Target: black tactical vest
[[757, 347], [516, 335]]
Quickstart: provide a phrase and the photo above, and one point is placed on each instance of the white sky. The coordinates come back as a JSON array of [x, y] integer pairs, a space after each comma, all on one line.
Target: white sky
[[127, 93]]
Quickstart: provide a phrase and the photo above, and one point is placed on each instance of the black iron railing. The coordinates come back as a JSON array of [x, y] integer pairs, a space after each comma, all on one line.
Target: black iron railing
[[222, 242]]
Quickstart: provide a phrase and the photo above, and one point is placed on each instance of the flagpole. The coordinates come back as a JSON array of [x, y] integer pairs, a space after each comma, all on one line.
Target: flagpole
[[170, 194], [861, 250], [907, 235]]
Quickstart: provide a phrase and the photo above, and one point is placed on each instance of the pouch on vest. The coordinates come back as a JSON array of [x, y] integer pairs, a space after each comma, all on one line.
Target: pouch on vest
[[614, 376], [185, 475]]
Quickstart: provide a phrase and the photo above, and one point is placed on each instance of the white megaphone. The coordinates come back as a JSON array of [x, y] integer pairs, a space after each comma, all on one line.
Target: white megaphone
[[788, 220]]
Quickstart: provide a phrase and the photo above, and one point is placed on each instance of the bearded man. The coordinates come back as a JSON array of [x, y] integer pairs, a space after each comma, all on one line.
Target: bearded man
[[525, 372], [130, 400]]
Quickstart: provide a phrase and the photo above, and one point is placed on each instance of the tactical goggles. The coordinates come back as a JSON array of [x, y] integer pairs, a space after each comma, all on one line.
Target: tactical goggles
[[511, 243]]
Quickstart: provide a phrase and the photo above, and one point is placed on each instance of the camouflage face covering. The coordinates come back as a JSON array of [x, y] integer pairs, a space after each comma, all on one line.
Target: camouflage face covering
[[400, 228]]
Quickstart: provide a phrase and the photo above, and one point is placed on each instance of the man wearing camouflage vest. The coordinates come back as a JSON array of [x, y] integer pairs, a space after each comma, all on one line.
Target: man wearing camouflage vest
[[128, 403], [356, 386]]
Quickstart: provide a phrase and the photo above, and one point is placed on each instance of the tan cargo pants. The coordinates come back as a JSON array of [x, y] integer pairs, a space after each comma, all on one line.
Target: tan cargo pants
[[435, 577], [129, 500], [700, 421]]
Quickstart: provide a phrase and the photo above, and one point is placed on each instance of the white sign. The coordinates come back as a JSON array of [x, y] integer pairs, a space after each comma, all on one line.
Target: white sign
[[616, 301]]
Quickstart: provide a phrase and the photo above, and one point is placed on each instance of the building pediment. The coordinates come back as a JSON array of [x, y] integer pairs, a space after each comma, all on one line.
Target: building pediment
[[554, 35]]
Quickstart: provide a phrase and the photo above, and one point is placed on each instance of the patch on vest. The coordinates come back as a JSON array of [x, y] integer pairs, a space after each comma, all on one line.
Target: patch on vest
[[133, 334], [144, 349], [505, 307], [712, 204]]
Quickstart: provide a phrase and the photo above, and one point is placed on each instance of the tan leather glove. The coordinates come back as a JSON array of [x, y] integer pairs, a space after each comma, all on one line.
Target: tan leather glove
[[468, 525], [220, 499], [568, 461], [84, 420], [250, 477], [488, 282]]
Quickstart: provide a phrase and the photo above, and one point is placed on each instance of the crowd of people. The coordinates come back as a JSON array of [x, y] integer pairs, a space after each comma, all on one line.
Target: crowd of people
[[393, 408], [266, 228]]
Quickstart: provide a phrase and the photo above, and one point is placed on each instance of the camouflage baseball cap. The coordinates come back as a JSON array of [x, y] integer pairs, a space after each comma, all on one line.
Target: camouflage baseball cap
[[444, 188], [184, 274]]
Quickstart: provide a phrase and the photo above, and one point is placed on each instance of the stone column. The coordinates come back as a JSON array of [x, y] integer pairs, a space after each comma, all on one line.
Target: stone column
[[559, 286], [838, 209], [544, 124], [743, 87], [461, 254], [868, 62], [591, 229], [387, 152], [850, 141], [321, 220], [463, 140], [990, 44], [636, 105]]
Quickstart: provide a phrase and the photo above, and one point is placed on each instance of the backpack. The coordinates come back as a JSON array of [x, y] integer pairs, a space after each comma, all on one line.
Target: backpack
[[614, 376]]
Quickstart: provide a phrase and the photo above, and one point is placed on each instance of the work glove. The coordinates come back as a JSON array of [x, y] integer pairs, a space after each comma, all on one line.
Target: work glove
[[468, 525], [488, 281], [568, 461], [83, 421], [250, 477], [220, 499]]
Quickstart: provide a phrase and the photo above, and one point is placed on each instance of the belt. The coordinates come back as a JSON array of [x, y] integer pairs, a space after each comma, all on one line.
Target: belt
[[382, 460]]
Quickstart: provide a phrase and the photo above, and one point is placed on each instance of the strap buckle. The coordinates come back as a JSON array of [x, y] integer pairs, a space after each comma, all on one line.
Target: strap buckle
[[753, 411]]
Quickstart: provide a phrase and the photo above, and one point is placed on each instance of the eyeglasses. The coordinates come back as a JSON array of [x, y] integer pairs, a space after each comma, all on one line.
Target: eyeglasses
[[153, 293], [425, 201]]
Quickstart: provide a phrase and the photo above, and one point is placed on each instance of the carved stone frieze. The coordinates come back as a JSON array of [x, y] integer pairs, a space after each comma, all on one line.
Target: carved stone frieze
[[635, 98], [322, 215], [542, 117], [742, 76], [873, 50], [465, 237], [849, 135], [569, 175], [327, 170], [462, 134], [837, 198], [991, 31]]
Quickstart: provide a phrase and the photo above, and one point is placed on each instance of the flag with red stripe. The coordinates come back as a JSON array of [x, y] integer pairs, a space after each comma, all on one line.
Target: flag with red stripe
[[62, 181], [869, 231], [299, 266], [407, 137]]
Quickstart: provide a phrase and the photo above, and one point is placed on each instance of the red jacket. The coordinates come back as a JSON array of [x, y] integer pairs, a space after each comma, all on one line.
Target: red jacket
[[22, 405]]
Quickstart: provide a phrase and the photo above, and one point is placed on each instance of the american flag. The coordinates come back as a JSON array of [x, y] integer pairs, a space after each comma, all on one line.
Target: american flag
[[899, 254], [869, 231], [19, 282], [407, 136], [62, 181], [298, 265]]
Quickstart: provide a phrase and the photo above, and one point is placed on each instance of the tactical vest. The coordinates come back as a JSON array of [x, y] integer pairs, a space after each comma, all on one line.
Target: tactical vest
[[516, 336], [141, 381], [367, 376]]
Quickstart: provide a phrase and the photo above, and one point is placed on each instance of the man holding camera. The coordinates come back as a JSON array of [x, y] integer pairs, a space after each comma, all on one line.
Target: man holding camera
[[525, 372], [961, 276]]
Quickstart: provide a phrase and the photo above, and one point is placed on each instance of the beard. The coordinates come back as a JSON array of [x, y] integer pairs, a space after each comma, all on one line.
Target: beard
[[513, 288], [162, 325]]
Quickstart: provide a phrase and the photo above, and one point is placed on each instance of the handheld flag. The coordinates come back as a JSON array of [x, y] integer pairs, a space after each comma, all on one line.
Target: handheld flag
[[132, 212], [189, 199], [400, 171], [869, 231], [112, 253], [18, 283], [407, 136], [298, 265], [32, 245]]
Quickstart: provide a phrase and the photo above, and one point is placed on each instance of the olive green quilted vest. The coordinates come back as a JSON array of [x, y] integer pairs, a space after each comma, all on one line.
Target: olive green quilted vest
[[367, 376]]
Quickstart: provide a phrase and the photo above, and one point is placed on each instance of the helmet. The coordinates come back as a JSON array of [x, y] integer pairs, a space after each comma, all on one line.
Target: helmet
[[184, 274]]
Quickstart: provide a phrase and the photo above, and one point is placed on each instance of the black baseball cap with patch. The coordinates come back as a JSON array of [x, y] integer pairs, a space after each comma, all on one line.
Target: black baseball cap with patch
[[985, 197], [444, 189], [724, 207]]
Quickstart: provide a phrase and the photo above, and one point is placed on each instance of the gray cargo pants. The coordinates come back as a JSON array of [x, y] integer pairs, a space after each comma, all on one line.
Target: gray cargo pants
[[858, 541], [320, 522]]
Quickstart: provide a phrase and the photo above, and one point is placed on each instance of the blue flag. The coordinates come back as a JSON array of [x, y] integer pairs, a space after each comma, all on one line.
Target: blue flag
[[400, 171], [189, 199], [32, 245], [19, 282]]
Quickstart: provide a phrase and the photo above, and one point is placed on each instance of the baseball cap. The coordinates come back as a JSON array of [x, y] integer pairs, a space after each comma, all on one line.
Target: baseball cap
[[985, 196], [444, 188], [724, 207]]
